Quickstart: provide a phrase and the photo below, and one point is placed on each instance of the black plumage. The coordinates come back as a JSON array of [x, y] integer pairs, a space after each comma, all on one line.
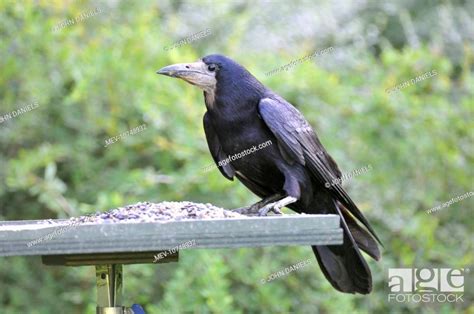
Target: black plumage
[[293, 171]]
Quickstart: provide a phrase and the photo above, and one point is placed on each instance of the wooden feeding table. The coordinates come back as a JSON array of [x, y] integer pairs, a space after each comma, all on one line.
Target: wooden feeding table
[[137, 234]]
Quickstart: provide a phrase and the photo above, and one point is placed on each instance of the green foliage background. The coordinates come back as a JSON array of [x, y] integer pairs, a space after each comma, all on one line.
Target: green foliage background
[[96, 79]]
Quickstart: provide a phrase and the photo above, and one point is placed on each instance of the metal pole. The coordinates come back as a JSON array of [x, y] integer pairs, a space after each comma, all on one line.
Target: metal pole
[[109, 289]]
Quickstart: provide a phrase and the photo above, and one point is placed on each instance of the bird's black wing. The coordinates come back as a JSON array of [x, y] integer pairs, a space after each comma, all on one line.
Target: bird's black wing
[[216, 149], [298, 140]]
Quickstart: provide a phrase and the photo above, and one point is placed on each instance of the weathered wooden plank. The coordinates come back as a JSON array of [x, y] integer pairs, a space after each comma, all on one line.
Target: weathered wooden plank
[[158, 236]]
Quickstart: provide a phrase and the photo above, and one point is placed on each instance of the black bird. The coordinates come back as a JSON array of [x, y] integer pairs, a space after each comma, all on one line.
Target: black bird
[[295, 171]]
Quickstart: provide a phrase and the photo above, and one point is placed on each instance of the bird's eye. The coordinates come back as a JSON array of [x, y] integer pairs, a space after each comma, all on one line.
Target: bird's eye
[[211, 67]]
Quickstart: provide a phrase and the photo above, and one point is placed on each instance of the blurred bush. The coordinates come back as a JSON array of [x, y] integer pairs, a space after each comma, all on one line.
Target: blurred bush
[[95, 79]]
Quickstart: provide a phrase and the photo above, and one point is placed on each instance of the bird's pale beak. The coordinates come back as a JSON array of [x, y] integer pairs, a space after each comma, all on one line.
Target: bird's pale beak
[[194, 73], [175, 70]]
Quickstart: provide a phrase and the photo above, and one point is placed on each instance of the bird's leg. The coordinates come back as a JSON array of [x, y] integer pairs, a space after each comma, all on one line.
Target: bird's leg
[[254, 209], [275, 206]]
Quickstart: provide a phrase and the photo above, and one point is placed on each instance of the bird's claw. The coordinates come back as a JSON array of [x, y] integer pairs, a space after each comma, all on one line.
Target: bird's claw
[[247, 210], [264, 206], [270, 208]]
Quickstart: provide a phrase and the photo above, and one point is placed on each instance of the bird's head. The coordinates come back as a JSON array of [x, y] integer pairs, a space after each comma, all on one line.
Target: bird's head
[[217, 75], [199, 73], [206, 72]]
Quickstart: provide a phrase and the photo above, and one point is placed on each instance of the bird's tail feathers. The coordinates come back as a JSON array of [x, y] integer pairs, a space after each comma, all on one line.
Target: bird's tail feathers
[[365, 241], [343, 265]]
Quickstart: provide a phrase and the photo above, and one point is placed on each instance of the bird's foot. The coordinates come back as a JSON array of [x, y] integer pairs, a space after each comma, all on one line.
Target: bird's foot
[[254, 209], [269, 208], [248, 210], [275, 206]]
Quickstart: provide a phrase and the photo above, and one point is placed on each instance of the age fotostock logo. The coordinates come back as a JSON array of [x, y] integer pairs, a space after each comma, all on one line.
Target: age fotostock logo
[[426, 284]]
